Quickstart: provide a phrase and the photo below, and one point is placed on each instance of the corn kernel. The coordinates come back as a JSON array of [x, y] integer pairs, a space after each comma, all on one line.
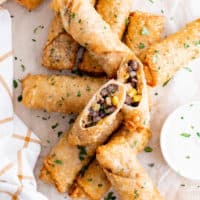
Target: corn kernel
[[132, 92], [115, 101], [137, 98], [96, 107]]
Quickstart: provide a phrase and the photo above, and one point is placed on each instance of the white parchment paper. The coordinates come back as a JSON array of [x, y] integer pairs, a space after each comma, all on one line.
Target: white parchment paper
[[183, 88]]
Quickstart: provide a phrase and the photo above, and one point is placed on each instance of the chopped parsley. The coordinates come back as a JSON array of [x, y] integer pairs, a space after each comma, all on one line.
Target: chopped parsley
[[156, 94], [90, 179], [59, 133], [71, 121], [110, 196], [151, 164], [187, 135], [127, 21], [187, 157], [88, 88], [197, 42], [186, 45], [34, 40], [35, 30], [15, 58], [82, 152], [78, 94], [144, 31], [72, 15], [15, 84], [55, 125], [23, 67], [151, 1], [166, 82], [141, 45], [19, 98], [182, 117], [198, 134], [148, 149], [136, 194], [100, 185], [188, 69], [59, 162], [155, 56]]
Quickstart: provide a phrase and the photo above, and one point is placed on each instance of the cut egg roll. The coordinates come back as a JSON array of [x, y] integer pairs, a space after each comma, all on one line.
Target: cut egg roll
[[124, 171], [115, 13], [94, 183], [87, 27], [60, 49], [136, 107], [95, 122], [144, 29], [29, 4], [59, 93], [163, 59]]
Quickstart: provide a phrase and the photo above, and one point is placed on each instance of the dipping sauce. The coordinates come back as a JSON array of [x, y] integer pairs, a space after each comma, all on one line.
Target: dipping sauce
[[180, 140]]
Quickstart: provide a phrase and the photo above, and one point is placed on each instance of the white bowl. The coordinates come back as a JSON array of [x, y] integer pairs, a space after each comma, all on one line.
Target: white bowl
[[180, 140]]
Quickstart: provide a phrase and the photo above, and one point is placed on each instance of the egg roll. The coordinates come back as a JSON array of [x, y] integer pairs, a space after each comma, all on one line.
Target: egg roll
[[29, 4], [136, 107], [60, 49], [95, 123], [163, 59], [115, 13], [143, 30], [94, 184], [59, 93], [124, 171], [88, 28]]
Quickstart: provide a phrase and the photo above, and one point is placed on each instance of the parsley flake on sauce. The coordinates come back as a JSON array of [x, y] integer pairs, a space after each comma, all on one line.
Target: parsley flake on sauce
[[186, 135]]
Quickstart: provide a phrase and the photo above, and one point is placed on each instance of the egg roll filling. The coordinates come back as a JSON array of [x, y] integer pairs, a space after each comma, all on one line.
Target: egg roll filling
[[133, 96], [105, 105]]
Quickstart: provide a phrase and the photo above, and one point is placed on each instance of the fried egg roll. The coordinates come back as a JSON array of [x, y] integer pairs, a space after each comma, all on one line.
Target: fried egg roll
[[136, 107], [95, 123], [163, 59], [124, 171], [144, 29], [94, 184], [115, 13], [29, 4], [61, 49], [59, 93], [66, 161], [88, 28]]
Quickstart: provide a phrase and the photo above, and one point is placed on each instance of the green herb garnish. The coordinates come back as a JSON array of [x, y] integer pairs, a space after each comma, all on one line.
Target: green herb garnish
[[110, 196], [15, 84], [35, 30], [148, 149], [19, 98], [82, 152], [55, 125], [186, 45], [141, 46], [59, 162], [166, 82], [59, 133], [23, 67], [187, 135], [127, 21], [188, 69], [198, 134], [136, 194], [151, 164]]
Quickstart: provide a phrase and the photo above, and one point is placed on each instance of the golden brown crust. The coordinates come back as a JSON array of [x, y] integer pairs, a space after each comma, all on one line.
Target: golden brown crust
[[45, 176], [163, 59], [29, 4], [59, 93], [93, 33], [80, 135], [139, 22], [115, 13], [94, 183], [61, 49], [124, 171]]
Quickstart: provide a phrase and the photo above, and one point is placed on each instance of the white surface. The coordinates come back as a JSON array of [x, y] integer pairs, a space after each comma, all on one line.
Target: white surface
[[180, 140], [183, 88]]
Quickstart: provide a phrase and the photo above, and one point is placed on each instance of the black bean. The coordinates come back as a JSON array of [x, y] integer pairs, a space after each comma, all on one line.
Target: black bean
[[132, 65], [128, 100], [104, 92], [110, 109], [112, 88]]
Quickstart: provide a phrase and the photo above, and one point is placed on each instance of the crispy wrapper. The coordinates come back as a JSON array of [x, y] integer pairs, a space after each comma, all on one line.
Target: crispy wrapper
[[88, 28], [94, 184], [59, 93], [29, 4], [163, 59], [115, 13], [66, 161], [135, 116], [61, 49], [124, 171], [144, 29], [81, 135]]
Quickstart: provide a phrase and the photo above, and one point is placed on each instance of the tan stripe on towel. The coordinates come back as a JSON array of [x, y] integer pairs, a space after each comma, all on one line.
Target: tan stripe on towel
[[6, 168], [4, 84], [6, 55], [6, 120]]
